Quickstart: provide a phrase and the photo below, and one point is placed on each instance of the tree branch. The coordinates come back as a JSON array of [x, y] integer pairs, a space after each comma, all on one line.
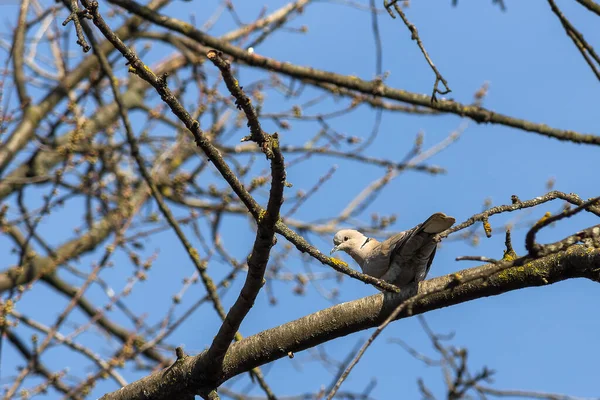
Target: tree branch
[[377, 88], [33, 115], [343, 319], [265, 235], [536, 250], [213, 154]]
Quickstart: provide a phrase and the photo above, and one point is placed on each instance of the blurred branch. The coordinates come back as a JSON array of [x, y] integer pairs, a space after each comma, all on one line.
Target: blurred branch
[[52, 379], [60, 338], [33, 115], [527, 394], [324, 151], [17, 52]]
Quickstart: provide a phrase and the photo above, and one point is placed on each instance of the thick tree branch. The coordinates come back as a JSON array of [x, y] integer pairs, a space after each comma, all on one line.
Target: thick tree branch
[[257, 263], [265, 235], [346, 318]]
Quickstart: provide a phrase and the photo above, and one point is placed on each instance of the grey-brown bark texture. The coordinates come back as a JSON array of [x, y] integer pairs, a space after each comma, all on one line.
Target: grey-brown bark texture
[[350, 317]]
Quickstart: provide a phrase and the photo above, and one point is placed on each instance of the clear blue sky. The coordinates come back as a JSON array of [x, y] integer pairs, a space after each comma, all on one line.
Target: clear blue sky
[[540, 339]]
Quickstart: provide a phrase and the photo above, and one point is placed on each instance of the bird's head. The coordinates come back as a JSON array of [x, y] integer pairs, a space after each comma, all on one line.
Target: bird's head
[[349, 241]]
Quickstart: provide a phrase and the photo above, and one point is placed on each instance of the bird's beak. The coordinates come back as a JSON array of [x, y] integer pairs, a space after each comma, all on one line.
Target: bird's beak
[[335, 248]]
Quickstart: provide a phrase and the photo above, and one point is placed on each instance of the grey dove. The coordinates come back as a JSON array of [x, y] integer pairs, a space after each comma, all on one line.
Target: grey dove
[[402, 259]]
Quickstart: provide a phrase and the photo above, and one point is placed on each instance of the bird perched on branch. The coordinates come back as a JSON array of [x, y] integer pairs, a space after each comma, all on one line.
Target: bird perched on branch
[[402, 259]]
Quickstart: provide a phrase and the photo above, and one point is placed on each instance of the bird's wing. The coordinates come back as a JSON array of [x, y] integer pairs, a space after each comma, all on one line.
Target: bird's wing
[[411, 252]]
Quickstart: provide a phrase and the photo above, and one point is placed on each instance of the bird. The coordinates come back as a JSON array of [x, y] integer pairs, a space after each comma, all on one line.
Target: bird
[[403, 259]]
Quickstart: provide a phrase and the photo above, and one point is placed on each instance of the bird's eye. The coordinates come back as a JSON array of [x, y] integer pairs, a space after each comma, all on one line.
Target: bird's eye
[[345, 238]]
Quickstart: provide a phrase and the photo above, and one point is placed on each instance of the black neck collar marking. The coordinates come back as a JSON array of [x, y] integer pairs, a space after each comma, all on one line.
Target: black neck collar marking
[[366, 241]]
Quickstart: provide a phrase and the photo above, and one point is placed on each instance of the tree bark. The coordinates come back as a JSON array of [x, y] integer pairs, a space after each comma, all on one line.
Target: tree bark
[[346, 318]]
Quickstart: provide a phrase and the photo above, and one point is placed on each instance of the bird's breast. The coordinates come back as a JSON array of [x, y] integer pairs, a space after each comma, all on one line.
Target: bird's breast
[[376, 266]]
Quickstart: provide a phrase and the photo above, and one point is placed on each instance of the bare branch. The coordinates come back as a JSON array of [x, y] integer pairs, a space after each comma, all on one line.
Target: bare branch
[[371, 311], [265, 235], [415, 36], [478, 114], [587, 51], [536, 250]]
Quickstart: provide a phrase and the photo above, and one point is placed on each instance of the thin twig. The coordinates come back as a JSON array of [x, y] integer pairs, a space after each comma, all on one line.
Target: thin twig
[[75, 16], [476, 258], [536, 250], [415, 36], [519, 205]]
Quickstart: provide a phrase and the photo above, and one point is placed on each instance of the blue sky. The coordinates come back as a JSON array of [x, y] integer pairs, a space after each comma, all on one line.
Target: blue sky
[[539, 339]]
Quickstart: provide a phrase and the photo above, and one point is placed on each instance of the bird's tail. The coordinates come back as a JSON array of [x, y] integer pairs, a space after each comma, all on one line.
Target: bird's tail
[[437, 223]]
